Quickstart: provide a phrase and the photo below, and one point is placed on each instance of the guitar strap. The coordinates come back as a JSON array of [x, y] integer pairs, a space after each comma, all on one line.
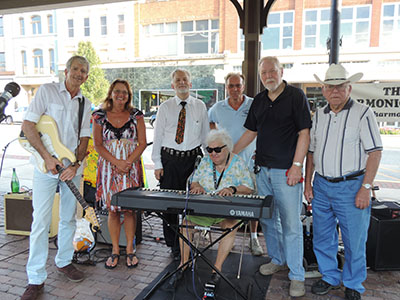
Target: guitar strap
[[80, 116]]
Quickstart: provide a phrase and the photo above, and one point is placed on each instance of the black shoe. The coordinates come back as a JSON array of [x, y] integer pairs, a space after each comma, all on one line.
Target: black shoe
[[173, 281], [352, 294], [321, 287]]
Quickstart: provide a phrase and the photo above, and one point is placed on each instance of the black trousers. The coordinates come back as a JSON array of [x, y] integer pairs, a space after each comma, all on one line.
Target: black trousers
[[176, 172]]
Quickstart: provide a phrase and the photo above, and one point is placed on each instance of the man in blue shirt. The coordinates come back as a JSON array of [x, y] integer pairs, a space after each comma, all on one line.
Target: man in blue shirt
[[231, 114]]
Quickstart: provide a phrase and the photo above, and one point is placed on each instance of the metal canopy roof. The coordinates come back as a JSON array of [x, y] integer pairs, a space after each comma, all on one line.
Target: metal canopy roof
[[19, 6]]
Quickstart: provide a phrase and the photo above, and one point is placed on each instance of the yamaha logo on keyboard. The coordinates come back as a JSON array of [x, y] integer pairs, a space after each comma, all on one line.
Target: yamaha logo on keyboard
[[241, 213]]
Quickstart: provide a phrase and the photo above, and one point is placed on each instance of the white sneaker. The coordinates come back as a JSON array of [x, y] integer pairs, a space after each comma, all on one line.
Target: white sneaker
[[271, 268], [255, 247], [297, 288]]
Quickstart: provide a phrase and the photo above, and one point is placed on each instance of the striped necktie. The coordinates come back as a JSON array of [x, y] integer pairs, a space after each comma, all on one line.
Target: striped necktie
[[180, 129]]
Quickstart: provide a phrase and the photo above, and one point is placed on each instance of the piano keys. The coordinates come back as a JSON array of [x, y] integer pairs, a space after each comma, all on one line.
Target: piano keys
[[248, 207]]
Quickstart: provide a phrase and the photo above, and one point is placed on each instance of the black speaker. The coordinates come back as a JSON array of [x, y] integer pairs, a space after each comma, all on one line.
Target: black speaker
[[383, 244], [105, 238]]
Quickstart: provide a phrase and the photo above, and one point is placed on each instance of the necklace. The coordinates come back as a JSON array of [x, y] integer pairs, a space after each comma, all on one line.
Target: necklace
[[117, 117], [216, 183]]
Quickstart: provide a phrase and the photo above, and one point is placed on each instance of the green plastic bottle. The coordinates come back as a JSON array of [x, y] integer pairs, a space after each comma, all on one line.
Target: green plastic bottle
[[14, 182]]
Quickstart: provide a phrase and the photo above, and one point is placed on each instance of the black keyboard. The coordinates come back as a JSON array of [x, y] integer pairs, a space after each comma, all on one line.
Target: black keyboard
[[173, 201]]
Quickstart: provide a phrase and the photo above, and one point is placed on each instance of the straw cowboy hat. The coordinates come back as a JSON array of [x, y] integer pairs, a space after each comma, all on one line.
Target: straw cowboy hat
[[337, 74]]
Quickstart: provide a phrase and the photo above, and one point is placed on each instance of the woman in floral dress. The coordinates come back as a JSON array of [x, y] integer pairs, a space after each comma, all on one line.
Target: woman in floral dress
[[119, 135]]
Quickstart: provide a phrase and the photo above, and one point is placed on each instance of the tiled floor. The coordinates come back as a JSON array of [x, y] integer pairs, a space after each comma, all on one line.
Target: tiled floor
[[123, 283]]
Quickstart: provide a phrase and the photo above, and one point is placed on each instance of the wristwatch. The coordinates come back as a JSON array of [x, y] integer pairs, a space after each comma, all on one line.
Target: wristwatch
[[234, 189], [78, 162], [367, 186], [298, 164]]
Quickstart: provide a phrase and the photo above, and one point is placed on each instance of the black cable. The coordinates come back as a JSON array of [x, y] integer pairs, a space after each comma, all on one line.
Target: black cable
[[15, 254], [10, 242]]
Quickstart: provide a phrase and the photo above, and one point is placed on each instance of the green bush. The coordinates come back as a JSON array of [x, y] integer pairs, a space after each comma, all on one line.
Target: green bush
[[389, 130]]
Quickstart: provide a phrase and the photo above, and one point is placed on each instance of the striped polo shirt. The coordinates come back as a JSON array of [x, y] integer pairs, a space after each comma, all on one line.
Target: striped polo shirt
[[340, 142]]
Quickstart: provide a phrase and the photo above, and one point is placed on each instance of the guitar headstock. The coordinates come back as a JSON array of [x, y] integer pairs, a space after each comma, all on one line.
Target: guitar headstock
[[91, 216]]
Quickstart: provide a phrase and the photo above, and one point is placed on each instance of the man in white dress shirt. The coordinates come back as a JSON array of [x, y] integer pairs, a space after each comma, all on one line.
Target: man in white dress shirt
[[61, 102], [177, 143]]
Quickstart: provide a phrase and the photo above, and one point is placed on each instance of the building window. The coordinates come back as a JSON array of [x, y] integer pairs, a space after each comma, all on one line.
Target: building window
[[24, 63], [38, 61], [177, 38], [1, 26], [86, 27], [390, 24], [165, 34], [316, 27], [2, 62], [36, 25], [21, 26], [52, 62], [121, 24], [103, 25], [355, 26], [279, 31], [50, 23], [70, 28], [200, 36]]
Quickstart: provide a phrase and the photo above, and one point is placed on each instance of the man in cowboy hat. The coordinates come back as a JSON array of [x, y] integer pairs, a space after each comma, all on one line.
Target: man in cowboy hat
[[345, 151]]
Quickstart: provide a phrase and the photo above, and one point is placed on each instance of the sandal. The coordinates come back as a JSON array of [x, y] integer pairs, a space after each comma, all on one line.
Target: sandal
[[113, 257], [131, 256]]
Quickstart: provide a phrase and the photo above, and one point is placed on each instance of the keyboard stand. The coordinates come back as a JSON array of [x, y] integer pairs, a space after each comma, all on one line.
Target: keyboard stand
[[197, 253]]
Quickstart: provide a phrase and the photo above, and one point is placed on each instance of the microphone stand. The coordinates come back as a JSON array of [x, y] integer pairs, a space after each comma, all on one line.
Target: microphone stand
[[188, 183], [190, 178], [4, 154]]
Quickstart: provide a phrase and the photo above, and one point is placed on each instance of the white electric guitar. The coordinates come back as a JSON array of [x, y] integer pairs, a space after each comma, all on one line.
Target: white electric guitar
[[48, 133]]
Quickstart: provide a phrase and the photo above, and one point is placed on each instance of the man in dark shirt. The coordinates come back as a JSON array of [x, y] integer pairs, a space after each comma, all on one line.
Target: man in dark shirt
[[280, 119]]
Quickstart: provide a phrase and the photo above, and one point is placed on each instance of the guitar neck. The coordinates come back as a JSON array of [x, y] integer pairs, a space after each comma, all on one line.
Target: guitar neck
[[77, 194], [74, 190]]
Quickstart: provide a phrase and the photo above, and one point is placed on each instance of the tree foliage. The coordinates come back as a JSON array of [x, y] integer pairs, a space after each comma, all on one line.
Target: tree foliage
[[96, 87]]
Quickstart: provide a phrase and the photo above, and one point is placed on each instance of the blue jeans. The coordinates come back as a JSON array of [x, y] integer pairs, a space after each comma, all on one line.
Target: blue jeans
[[333, 203], [44, 189], [284, 231]]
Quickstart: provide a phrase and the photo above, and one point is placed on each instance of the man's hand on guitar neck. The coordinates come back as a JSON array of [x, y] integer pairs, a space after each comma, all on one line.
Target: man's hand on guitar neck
[[69, 173], [51, 163], [66, 174]]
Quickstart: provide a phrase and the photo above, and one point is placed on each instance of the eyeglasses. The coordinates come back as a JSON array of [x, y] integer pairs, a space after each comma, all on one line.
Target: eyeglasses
[[125, 93], [238, 86], [216, 149], [340, 87]]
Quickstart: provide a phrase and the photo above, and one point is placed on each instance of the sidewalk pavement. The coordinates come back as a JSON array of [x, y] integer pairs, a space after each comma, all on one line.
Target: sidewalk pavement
[[123, 283]]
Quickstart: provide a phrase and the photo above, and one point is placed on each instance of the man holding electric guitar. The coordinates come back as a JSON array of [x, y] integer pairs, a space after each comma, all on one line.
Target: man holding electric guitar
[[71, 112]]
